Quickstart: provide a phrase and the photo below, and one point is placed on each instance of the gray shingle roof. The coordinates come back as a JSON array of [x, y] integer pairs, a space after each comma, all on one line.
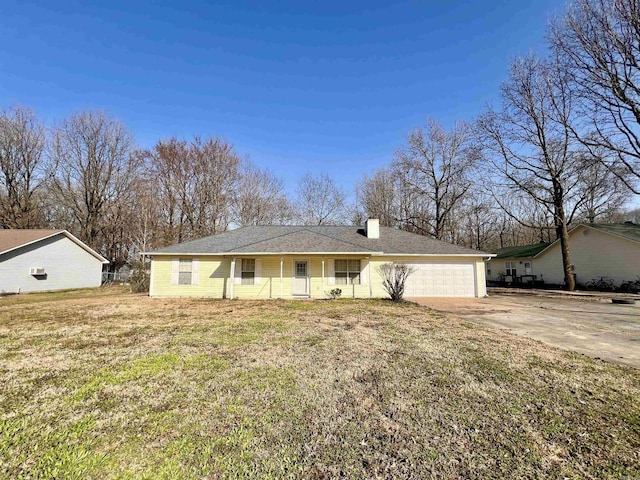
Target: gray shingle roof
[[627, 230], [278, 239]]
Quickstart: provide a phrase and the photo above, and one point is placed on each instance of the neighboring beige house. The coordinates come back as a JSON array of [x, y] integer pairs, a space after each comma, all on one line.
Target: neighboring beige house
[[597, 250], [39, 260], [309, 262]]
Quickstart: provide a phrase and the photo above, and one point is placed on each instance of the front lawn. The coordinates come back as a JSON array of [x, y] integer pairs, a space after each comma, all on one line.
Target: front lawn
[[104, 384]]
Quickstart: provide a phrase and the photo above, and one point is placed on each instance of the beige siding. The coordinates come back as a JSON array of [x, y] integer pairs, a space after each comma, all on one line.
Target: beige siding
[[67, 265], [593, 255], [214, 279]]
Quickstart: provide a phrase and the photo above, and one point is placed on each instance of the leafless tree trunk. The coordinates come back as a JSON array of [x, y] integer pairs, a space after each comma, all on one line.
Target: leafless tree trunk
[[320, 201], [598, 43], [22, 143], [93, 173], [530, 142], [433, 169]]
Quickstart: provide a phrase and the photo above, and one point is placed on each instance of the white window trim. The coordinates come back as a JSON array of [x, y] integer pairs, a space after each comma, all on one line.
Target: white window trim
[[348, 271], [175, 271], [257, 272]]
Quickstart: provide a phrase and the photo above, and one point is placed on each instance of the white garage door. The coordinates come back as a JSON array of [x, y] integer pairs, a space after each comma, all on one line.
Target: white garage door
[[441, 279]]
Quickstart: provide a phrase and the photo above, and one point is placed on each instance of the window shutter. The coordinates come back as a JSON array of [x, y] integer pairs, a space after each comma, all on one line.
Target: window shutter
[[257, 277], [195, 271], [175, 271], [331, 271], [237, 275], [364, 271]]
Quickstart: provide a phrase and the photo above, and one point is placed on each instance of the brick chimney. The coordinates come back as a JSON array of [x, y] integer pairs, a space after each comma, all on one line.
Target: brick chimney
[[372, 227]]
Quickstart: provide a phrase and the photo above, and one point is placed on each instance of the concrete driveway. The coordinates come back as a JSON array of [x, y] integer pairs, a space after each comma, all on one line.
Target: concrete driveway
[[592, 327]]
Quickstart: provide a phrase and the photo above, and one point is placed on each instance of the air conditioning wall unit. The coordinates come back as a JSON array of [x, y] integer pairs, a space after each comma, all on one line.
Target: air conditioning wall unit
[[37, 271]]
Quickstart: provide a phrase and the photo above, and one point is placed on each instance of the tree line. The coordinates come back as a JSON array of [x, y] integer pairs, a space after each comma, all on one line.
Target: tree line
[[561, 146], [85, 175]]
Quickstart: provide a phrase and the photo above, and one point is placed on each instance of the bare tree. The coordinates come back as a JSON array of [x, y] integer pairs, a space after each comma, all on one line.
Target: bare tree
[[214, 179], [597, 41], [603, 191], [378, 197], [259, 198], [93, 174], [476, 221], [433, 171], [167, 173], [530, 144], [320, 201], [22, 144], [195, 185]]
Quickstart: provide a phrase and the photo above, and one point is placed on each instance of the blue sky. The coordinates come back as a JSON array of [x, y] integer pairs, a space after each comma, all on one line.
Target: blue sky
[[299, 86]]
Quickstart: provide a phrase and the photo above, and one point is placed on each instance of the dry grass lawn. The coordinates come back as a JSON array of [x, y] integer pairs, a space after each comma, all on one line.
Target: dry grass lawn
[[105, 384]]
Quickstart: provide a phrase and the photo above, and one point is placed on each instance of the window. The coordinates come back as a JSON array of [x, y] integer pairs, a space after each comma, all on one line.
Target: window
[[248, 271], [301, 269], [184, 272], [347, 272], [510, 269], [527, 268]]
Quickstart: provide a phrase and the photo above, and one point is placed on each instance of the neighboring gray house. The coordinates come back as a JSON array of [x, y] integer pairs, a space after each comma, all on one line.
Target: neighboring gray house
[[38, 260]]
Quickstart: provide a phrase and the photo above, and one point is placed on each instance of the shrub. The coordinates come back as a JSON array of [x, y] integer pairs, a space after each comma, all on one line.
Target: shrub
[[139, 277], [394, 276], [335, 293]]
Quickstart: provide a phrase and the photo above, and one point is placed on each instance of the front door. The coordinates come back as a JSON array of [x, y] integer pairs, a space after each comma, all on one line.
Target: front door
[[300, 278]]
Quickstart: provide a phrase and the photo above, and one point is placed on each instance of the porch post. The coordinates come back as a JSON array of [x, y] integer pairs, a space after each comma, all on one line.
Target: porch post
[[323, 295], [369, 273], [281, 261], [232, 277], [151, 276]]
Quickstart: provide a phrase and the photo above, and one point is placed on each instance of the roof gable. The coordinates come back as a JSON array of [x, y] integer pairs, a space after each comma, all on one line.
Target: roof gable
[[281, 239], [630, 231], [12, 239]]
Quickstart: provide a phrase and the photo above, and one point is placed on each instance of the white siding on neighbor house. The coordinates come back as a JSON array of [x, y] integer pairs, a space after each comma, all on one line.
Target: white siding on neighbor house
[[594, 255], [67, 265]]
